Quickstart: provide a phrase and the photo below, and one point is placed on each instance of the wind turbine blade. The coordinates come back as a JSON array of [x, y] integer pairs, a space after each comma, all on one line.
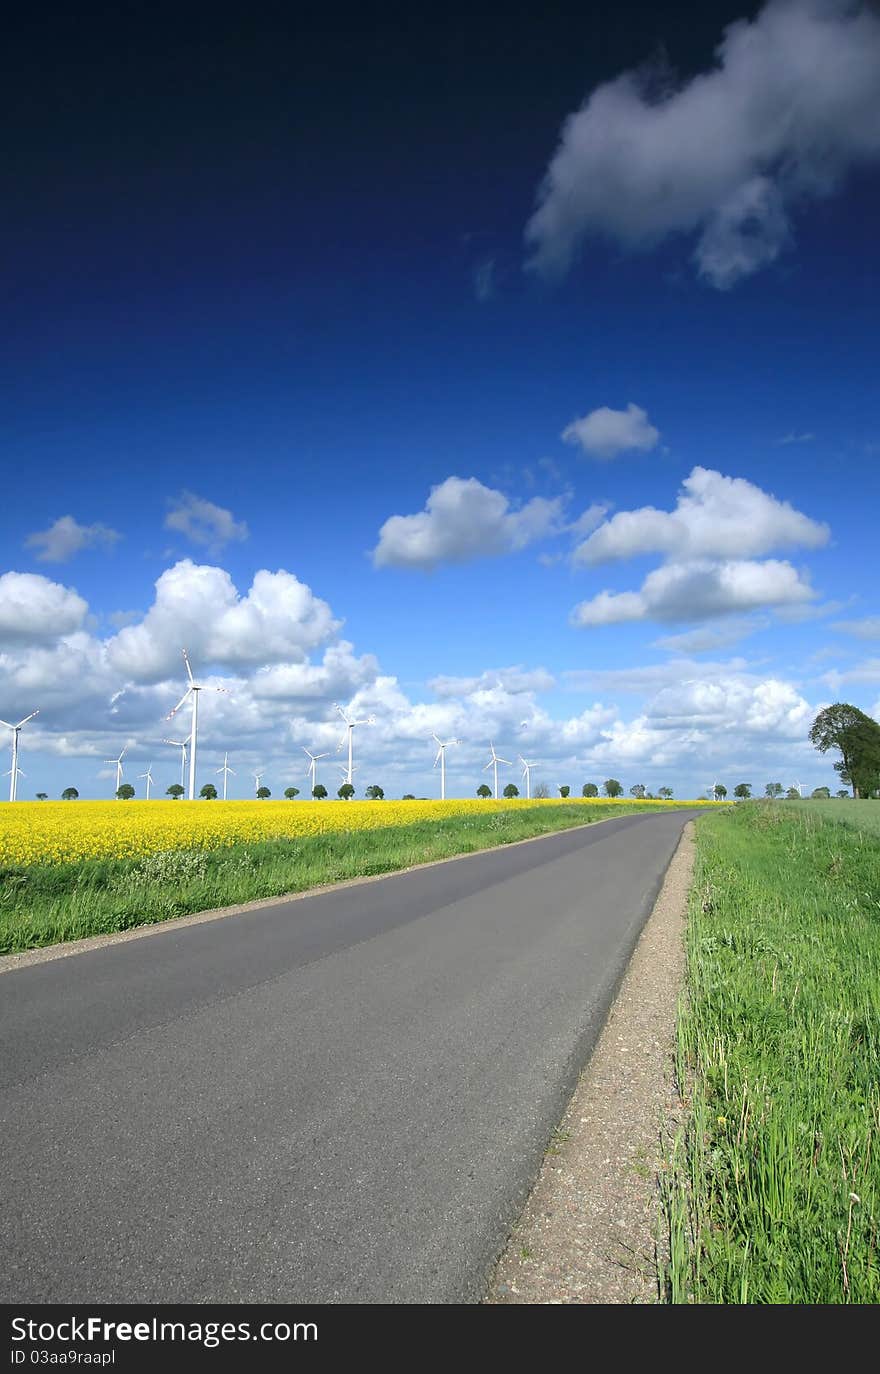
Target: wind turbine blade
[[437, 759], [26, 719], [501, 760], [188, 668], [323, 756], [6, 723], [489, 764], [433, 736], [179, 704]]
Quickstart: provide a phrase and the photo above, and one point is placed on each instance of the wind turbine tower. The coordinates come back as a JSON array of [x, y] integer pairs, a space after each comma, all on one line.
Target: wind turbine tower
[[350, 723], [149, 777], [16, 771], [442, 746], [312, 770], [493, 763], [225, 770], [528, 765], [182, 745], [192, 690]]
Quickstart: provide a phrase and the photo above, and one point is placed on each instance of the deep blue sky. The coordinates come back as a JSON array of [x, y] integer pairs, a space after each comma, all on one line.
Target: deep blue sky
[[240, 256]]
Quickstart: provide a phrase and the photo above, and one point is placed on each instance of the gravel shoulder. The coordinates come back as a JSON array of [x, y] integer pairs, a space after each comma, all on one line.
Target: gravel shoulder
[[589, 1231]]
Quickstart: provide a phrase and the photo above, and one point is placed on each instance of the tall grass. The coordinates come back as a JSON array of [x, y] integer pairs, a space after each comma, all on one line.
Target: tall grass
[[43, 904], [773, 1191]]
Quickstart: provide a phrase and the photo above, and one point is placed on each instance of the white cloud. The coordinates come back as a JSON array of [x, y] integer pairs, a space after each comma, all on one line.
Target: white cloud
[[32, 608], [484, 280], [715, 517], [869, 672], [793, 438], [507, 680], [697, 590], [766, 707], [711, 637], [65, 538], [867, 628], [789, 108], [203, 523], [605, 433], [464, 520]]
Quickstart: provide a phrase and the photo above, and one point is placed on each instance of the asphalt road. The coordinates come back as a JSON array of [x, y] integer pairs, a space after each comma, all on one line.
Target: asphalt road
[[342, 1098]]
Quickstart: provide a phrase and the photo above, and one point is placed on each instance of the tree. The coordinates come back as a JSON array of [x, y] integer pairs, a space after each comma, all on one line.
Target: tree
[[589, 789], [612, 787], [564, 791], [408, 796], [843, 794], [125, 792], [720, 791], [209, 792], [857, 738], [263, 793], [42, 796], [664, 792], [291, 792], [346, 792], [483, 790], [821, 793], [541, 791], [175, 791], [319, 792], [69, 794], [375, 793], [773, 789], [743, 790], [511, 791], [637, 791]]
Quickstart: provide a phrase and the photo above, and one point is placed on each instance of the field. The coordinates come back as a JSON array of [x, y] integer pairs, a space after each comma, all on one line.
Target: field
[[72, 869], [864, 815], [773, 1190]]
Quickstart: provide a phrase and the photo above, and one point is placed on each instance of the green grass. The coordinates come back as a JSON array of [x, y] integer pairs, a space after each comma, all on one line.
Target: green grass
[[773, 1191], [864, 815], [46, 904]]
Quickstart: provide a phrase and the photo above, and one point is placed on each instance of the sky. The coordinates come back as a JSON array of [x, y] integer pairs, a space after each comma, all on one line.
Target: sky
[[505, 377]]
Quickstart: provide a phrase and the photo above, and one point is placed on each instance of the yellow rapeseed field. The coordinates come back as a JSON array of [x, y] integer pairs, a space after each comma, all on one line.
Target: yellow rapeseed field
[[67, 832]]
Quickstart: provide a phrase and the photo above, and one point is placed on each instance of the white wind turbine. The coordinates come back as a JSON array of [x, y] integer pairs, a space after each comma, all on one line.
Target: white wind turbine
[[118, 763], [192, 690], [493, 763], [800, 790], [312, 769], [442, 746], [258, 778], [350, 723], [15, 771], [225, 770], [182, 745], [149, 777], [528, 765]]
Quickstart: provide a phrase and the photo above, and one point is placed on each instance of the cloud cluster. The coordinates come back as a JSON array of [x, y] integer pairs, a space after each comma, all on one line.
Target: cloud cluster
[[203, 523], [789, 108], [605, 433], [464, 520], [66, 537], [698, 590], [34, 609]]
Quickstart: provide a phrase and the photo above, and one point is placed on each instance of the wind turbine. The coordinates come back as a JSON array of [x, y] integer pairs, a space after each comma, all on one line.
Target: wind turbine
[[258, 778], [350, 723], [16, 771], [182, 745], [442, 746], [192, 690], [714, 791], [312, 770], [225, 770], [19, 773], [528, 765], [118, 763], [799, 789], [149, 777], [493, 763]]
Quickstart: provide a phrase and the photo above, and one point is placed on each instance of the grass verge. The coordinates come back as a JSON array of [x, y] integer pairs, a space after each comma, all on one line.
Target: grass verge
[[772, 1194], [45, 904]]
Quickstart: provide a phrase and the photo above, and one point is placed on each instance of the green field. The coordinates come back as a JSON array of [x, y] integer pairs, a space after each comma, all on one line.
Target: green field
[[772, 1194], [864, 815]]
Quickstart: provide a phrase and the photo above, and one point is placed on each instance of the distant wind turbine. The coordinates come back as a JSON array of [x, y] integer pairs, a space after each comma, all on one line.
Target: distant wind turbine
[[182, 745], [225, 770], [15, 771], [442, 746], [799, 789], [350, 723], [149, 777], [493, 763], [118, 763], [528, 765], [258, 778], [312, 769], [192, 690]]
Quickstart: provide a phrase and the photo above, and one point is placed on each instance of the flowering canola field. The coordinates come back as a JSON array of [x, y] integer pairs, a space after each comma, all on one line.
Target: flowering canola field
[[68, 832]]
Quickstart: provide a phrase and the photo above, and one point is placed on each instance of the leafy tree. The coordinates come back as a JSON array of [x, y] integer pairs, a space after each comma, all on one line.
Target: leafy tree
[[263, 793], [664, 792], [42, 796], [564, 791], [589, 789], [483, 790], [612, 787], [773, 789], [175, 791], [511, 791], [637, 790], [375, 793], [408, 796], [291, 792], [792, 794], [540, 791], [821, 793], [69, 794], [743, 790], [125, 792], [843, 794], [857, 738], [319, 792], [720, 791], [346, 792], [209, 792]]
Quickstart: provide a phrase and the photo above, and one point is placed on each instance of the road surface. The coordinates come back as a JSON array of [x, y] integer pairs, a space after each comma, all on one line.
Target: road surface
[[340, 1098]]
